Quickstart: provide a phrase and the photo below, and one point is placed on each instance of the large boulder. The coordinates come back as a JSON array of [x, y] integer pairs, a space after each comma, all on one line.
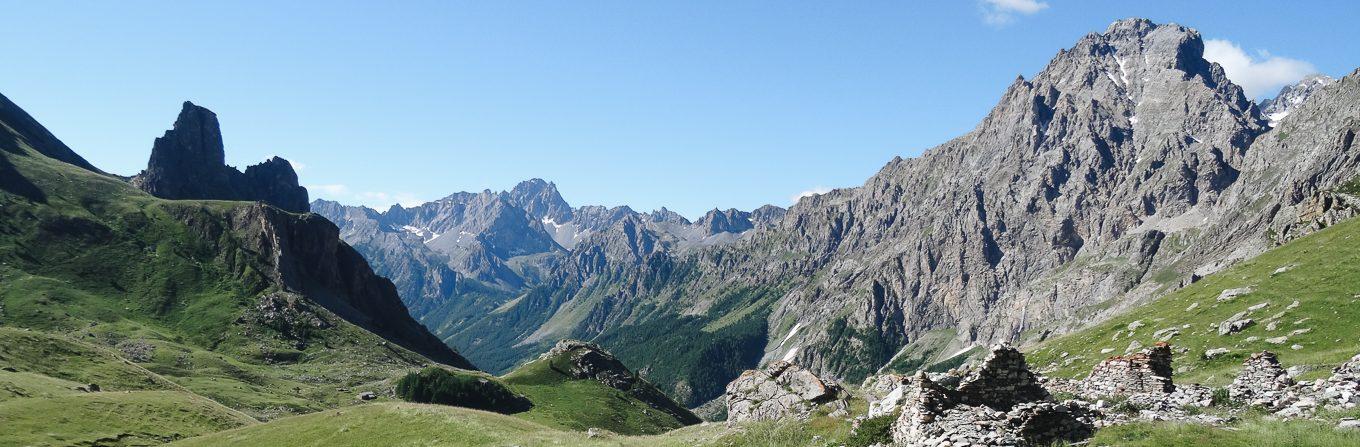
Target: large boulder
[[885, 393], [782, 390]]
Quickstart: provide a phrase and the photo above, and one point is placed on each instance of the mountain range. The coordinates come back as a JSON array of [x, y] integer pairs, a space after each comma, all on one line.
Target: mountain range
[[1127, 168]]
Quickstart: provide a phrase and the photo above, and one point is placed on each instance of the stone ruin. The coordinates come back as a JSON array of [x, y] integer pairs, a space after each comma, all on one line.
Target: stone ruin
[[1001, 403], [1343, 388], [1262, 380], [782, 390], [1148, 371], [1264, 384]]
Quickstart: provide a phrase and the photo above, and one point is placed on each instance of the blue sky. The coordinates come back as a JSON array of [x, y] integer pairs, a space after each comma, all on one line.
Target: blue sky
[[690, 105]]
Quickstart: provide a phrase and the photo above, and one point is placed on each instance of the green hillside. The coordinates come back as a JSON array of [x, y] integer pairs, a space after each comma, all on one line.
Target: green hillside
[[59, 391], [1310, 288], [86, 255], [580, 404]]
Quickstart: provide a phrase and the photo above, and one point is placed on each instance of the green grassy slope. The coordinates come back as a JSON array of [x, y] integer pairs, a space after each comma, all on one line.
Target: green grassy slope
[[44, 397], [94, 258], [1321, 272], [159, 303], [566, 403]]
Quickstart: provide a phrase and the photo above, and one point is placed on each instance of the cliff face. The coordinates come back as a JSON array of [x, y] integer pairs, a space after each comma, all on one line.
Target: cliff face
[[189, 162], [304, 255]]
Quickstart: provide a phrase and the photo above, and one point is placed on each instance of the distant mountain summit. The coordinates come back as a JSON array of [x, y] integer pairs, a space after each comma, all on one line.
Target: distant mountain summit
[[1292, 96], [189, 162]]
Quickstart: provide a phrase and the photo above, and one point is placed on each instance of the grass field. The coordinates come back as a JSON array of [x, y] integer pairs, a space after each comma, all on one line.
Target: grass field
[[45, 399]]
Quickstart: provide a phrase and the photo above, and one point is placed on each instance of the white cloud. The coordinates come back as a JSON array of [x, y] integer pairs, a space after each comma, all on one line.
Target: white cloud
[[815, 191], [1001, 12], [332, 190], [1261, 75], [297, 165]]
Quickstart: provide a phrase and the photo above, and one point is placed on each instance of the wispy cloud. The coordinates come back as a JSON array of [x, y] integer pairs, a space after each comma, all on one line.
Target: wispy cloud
[[815, 191], [1001, 12], [1259, 75]]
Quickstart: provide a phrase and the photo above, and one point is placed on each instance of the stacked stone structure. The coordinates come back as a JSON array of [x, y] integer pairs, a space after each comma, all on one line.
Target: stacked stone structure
[[1148, 371]]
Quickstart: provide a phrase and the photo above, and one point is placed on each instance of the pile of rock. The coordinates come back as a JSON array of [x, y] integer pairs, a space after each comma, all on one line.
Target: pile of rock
[[999, 403], [1343, 388], [1263, 383], [782, 390]]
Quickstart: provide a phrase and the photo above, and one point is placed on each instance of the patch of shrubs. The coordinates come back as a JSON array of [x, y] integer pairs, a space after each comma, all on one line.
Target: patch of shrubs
[[440, 386], [873, 431]]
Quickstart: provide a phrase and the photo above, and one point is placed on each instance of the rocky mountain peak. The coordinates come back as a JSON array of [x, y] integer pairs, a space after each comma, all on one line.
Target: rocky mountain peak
[[1292, 96], [195, 140], [730, 220], [189, 162], [666, 215], [768, 215], [541, 200]]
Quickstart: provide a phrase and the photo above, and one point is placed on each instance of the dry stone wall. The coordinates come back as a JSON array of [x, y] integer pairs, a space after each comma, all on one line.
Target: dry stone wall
[[1148, 371]]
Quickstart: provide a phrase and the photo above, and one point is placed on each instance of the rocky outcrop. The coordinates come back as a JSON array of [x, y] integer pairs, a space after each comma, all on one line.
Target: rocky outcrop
[[782, 390], [1323, 209], [998, 404], [189, 162], [1148, 371], [885, 393], [579, 360], [589, 361]]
